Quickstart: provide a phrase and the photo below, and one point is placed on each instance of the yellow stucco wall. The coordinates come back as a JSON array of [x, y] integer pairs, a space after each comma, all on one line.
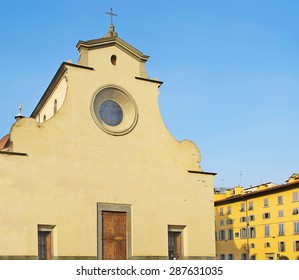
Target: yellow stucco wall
[[255, 246]]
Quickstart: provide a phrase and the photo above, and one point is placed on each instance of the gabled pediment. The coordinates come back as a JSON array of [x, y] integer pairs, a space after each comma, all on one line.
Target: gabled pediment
[[112, 41]]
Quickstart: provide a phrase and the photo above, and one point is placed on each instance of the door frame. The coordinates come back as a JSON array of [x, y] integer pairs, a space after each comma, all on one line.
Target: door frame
[[112, 207]]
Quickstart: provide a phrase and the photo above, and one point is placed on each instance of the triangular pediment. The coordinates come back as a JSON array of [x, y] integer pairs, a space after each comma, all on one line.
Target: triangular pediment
[[112, 41]]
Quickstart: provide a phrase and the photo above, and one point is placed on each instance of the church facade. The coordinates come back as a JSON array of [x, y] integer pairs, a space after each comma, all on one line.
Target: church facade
[[94, 173]]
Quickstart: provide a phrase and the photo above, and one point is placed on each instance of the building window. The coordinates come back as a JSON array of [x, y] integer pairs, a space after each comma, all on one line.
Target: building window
[[280, 229], [221, 222], [296, 245], [230, 256], [230, 234], [252, 232], [253, 257], [279, 200], [229, 210], [243, 233], [267, 245], [251, 217], [113, 59], [296, 227], [242, 219], [55, 106], [295, 196], [280, 213], [252, 245], [222, 235], [267, 230], [45, 242], [44, 118], [250, 206], [222, 257], [266, 215], [281, 246], [242, 208], [229, 221], [111, 113], [221, 211], [244, 256], [295, 211], [266, 202]]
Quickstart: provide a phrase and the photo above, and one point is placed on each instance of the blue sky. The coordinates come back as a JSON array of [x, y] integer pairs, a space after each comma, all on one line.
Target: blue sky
[[230, 71]]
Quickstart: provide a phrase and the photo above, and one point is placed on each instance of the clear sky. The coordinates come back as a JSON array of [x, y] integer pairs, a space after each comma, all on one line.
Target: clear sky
[[230, 70]]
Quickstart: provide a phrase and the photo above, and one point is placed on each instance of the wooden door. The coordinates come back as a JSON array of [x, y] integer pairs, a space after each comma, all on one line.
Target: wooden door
[[114, 235], [44, 245], [174, 245]]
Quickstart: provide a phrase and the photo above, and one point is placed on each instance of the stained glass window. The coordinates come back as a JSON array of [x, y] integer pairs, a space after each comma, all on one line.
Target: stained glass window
[[111, 113]]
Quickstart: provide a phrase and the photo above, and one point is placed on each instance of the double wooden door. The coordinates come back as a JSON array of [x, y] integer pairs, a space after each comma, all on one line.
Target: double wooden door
[[114, 235]]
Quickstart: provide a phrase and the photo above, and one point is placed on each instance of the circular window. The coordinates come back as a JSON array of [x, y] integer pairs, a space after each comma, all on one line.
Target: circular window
[[111, 113], [114, 110]]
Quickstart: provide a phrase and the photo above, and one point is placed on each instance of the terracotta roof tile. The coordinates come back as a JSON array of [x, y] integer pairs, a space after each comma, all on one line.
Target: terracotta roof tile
[[4, 142]]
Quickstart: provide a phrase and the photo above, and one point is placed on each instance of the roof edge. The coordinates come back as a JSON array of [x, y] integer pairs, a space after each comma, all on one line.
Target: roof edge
[[57, 77]]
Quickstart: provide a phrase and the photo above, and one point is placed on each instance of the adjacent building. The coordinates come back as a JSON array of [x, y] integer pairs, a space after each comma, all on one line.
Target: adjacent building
[[258, 223], [94, 173]]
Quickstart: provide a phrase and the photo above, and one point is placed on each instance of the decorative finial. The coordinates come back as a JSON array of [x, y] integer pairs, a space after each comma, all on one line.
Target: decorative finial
[[20, 109], [111, 14], [19, 116]]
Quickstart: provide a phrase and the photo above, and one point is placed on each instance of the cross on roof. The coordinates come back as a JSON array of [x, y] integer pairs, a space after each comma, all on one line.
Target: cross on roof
[[111, 15]]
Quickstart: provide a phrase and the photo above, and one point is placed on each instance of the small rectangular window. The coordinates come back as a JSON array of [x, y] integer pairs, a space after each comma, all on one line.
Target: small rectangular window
[[266, 203], [222, 257], [242, 219], [252, 232], [281, 246], [267, 245], [267, 230], [280, 213], [230, 234], [296, 245], [229, 210], [280, 229], [221, 211], [229, 221], [266, 216], [295, 211], [251, 217], [230, 256], [296, 227], [242, 208], [279, 200], [222, 235], [295, 196], [250, 206], [244, 257], [243, 233], [221, 222]]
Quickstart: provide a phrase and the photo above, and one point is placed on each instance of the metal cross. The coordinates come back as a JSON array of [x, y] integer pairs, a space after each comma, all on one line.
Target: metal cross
[[111, 15]]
